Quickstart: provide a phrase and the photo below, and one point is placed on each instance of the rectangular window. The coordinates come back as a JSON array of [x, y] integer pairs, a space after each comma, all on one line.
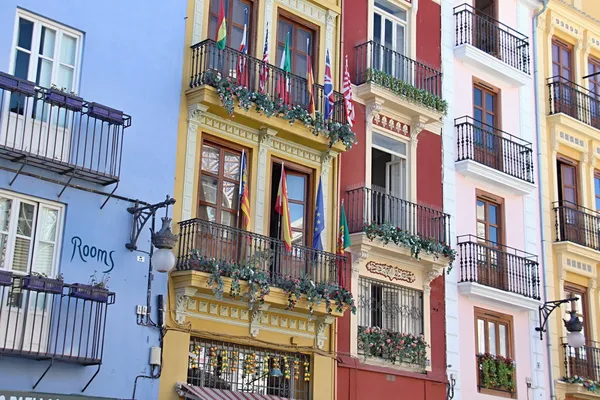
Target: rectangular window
[[387, 306], [489, 219], [390, 41], [487, 137], [597, 189], [567, 182], [235, 12], [562, 59], [580, 307], [298, 32]]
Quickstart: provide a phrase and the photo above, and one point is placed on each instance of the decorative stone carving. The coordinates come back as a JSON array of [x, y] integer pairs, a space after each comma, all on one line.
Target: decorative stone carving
[[256, 316], [391, 272], [322, 324], [195, 111], [358, 256], [373, 110], [326, 158], [432, 274], [182, 301], [265, 139]]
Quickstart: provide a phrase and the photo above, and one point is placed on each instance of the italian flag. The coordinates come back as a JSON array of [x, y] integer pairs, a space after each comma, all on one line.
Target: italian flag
[[222, 28], [283, 83]]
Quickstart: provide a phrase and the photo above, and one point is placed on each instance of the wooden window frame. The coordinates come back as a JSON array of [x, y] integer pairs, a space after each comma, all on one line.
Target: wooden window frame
[[568, 161], [251, 22], [565, 46], [497, 318], [582, 292], [486, 87], [595, 80], [295, 20], [596, 195], [499, 202]]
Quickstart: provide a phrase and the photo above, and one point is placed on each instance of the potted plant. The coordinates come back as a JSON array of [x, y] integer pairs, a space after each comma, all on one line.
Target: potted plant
[[61, 98], [5, 278], [14, 84], [104, 113], [40, 282], [95, 290]]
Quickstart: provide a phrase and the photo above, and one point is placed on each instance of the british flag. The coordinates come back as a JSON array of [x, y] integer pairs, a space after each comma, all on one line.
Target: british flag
[[328, 89]]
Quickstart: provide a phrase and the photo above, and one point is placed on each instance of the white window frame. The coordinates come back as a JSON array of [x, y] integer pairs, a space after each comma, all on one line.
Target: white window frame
[[61, 30], [396, 21], [409, 159], [35, 240]]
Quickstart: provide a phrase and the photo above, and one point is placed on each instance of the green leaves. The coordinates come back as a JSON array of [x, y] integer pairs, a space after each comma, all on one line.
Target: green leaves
[[589, 384], [395, 347], [496, 372]]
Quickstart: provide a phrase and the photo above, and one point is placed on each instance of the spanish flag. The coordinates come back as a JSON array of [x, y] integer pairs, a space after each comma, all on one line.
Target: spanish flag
[[283, 208], [222, 28], [310, 82], [244, 201]]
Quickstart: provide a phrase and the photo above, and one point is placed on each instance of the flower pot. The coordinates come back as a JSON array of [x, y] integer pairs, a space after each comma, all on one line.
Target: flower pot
[[65, 100], [104, 113], [42, 284], [88, 292], [14, 84], [5, 278]]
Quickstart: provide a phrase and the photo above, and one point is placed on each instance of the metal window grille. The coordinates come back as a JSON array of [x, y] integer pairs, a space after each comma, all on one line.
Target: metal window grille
[[392, 307], [236, 368]]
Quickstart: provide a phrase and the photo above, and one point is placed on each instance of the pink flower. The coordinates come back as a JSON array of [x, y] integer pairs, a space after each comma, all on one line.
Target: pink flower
[[388, 341]]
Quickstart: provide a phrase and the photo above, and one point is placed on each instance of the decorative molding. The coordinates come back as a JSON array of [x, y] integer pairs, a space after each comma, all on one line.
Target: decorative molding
[[256, 317], [373, 110], [391, 272], [195, 112], [567, 27], [322, 324], [307, 8], [493, 177], [571, 140], [430, 277], [294, 149], [330, 17], [357, 257], [392, 125], [579, 265], [326, 158], [228, 127], [416, 127], [495, 297], [182, 300]]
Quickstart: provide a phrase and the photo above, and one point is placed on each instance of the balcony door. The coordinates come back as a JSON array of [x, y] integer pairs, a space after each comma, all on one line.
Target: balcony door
[[487, 141], [582, 361], [565, 91], [485, 27], [594, 87], [389, 37], [491, 262], [571, 219]]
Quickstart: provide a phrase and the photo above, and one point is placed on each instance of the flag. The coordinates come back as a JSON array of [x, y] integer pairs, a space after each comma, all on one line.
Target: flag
[[283, 208], [244, 200], [242, 70], [319, 219], [343, 243], [348, 101], [283, 84], [328, 88], [264, 70], [310, 83], [221, 28]]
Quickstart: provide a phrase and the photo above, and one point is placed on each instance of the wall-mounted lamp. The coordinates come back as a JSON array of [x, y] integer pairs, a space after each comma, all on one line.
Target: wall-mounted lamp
[[574, 326], [451, 384]]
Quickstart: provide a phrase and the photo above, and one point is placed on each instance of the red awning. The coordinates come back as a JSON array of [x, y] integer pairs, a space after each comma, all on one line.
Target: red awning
[[200, 393]]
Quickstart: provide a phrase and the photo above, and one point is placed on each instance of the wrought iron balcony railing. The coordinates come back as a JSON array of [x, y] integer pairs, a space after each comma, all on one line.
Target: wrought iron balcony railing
[[209, 62], [583, 362], [236, 246], [60, 132], [374, 60], [497, 266], [576, 101], [366, 206], [494, 148], [58, 322], [491, 36], [577, 224]]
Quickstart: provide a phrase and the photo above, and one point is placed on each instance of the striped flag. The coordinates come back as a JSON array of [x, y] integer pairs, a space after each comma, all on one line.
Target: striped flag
[[310, 81], [242, 70], [348, 101], [283, 208], [221, 28], [244, 199], [343, 242], [328, 89], [264, 69], [283, 83]]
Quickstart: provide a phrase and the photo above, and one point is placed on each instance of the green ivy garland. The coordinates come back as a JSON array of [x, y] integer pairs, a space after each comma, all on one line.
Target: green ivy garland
[[229, 91], [496, 372], [259, 285], [589, 384], [406, 90], [394, 347], [417, 244]]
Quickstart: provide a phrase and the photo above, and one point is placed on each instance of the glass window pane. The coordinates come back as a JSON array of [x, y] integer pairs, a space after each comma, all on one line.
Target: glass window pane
[[390, 8], [480, 210], [377, 28], [232, 166], [489, 119], [25, 34], [301, 38], [568, 176], [503, 350], [68, 47], [208, 189], [5, 208], [388, 33], [25, 220], [207, 213], [554, 53], [21, 254], [400, 39], [489, 102], [44, 73], [210, 159], [300, 63], [477, 97], [239, 12], [565, 57], [44, 258], [493, 234], [231, 195], [480, 336], [492, 337], [481, 230], [3, 249], [22, 65], [65, 77], [228, 219], [48, 224], [493, 214], [298, 238], [237, 33], [478, 115], [388, 143], [283, 30], [47, 40], [297, 216], [295, 186]]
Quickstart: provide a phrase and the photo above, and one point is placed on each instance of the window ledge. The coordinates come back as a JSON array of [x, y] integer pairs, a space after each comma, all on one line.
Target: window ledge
[[490, 176], [379, 362], [495, 296], [575, 389], [492, 66]]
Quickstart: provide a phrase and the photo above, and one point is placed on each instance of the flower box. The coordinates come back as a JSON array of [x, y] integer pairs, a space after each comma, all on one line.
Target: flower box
[[88, 292], [104, 113], [5, 278], [14, 84], [63, 99], [42, 284]]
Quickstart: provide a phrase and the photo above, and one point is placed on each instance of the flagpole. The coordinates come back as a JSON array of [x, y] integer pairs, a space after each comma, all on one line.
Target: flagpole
[[240, 189], [279, 217]]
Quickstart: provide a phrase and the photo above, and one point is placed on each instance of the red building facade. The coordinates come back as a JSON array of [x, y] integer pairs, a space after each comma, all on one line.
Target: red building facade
[[391, 183]]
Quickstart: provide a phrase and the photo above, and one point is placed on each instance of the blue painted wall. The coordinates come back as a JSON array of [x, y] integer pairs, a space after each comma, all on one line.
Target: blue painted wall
[[132, 61]]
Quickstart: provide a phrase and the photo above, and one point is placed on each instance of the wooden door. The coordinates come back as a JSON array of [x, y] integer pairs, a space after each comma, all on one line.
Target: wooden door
[[564, 93], [487, 141], [571, 220], [491, 263], [485, 27]]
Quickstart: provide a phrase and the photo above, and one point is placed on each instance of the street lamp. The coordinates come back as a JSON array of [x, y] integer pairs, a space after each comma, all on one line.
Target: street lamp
[[164, 240], [574, 326]]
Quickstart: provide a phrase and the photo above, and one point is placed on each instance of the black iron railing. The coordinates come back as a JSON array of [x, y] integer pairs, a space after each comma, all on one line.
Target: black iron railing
[[582, 361], [377, 63], [60, 132], [52, 321], [498, 266], [220, 366], [577, 224], [236, 246], [209, 62], [494, 148], [492, 37], [365, 206], [576, 101]]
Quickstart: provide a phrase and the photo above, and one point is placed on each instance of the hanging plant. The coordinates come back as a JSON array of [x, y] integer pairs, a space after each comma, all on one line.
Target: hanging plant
[[395, 347], [589, 384], [496, 372]]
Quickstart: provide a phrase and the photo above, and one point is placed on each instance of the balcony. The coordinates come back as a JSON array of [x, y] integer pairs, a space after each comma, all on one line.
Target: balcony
[[494, 157], [211, 65], [404, 85], [581, 364], [577, 240], [502, 274], [575, 101], [60, 132], [491, 46]]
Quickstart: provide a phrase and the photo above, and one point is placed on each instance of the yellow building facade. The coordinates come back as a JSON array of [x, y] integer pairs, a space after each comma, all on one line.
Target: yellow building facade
[[569, 111], [230, 325]]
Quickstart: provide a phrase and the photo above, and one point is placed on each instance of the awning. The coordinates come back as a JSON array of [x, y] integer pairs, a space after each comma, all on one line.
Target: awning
[[190, 392]]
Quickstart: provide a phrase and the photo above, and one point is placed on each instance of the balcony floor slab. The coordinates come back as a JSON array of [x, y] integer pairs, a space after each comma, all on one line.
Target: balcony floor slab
[[493, 296], [490, 176]]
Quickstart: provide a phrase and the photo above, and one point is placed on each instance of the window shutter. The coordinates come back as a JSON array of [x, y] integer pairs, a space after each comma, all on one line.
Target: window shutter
[[45, 241]]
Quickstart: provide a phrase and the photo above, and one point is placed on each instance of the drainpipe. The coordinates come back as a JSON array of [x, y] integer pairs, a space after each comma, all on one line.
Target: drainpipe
[[540, 192]]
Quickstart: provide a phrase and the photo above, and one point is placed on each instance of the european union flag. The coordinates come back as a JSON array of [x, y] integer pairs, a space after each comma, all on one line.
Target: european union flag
[[319, 224]]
